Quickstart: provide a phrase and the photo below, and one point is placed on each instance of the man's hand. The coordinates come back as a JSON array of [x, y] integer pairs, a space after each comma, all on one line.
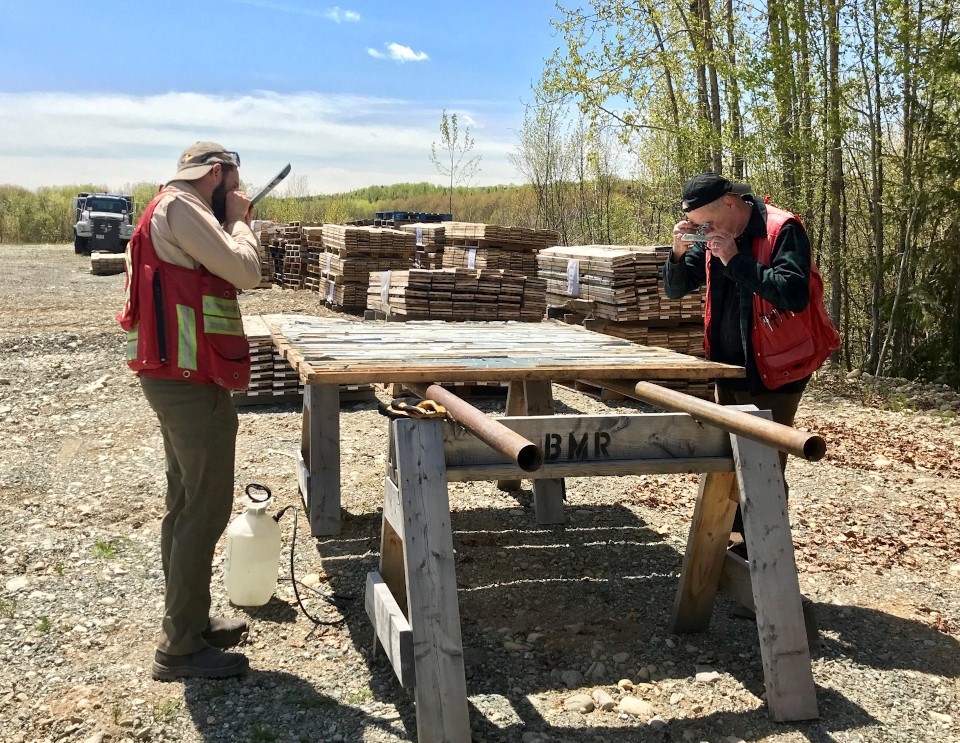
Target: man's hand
[[238, 207], [680, 246], [722, 245]]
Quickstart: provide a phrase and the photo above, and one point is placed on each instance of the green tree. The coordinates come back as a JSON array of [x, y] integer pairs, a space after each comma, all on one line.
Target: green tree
[[452, 157]]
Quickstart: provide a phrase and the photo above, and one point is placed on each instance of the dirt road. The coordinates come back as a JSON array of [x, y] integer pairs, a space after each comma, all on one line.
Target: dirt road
[[546, 614]]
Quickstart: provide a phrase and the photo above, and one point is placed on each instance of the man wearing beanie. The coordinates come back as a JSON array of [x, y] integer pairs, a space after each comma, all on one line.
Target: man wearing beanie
[[764, 308], [192, 250]]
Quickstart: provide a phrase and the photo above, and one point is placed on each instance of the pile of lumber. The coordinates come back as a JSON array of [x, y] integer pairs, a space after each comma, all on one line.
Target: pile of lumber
[[430, 240], [618, 290], [457, 294], [273, 380], [105, 264], [474, 245], [351, 253], [313, 244], [265, 232]]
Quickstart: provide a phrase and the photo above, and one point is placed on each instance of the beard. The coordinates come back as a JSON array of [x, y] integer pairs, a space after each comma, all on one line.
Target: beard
[[218, 202]]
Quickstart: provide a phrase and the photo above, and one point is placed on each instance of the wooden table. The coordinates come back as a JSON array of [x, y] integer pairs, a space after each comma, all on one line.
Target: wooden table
[[327, 352]]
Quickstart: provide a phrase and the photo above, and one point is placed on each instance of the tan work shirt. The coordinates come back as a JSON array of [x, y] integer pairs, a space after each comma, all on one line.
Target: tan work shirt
[[186, 233]]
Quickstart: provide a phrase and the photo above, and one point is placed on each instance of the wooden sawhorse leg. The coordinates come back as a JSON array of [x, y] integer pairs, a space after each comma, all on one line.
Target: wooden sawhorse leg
[[791, 693], [535, 397], [413, 600], [318, 463]]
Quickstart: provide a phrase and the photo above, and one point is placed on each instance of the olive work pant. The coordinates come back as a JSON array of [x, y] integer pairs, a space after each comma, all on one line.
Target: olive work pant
[[783, 406], [199, 426]]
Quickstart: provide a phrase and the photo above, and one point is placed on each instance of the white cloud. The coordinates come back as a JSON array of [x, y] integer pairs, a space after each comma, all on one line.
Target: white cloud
[[339, 142], [399, 53], [338, 15]]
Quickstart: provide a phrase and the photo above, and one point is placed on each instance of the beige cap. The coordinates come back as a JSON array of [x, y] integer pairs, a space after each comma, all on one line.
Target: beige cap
[[199, 158]]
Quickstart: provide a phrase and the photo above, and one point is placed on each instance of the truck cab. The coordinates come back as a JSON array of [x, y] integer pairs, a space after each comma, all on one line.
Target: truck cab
[[103, 222]]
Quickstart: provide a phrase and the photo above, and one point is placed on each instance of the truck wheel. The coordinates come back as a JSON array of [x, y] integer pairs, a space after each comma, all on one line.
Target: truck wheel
[[123, 245], [80, 244]]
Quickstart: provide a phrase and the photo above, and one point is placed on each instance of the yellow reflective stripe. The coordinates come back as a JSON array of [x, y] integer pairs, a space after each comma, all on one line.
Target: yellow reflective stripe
[[222, 325], [132, 337], [219, 306], [186, 337]]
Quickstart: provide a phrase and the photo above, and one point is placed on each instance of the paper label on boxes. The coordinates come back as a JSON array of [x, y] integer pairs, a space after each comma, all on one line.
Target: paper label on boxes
[[419, 236], [472, 258], [573, 277], [385, 288], [330, 287]]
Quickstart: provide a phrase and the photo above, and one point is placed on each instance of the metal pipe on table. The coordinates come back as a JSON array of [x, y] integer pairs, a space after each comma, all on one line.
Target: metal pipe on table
[[523, 452], [809, 446]]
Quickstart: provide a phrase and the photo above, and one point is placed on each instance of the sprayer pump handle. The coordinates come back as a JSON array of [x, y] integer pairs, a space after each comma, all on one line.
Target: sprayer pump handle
[[258, 487]]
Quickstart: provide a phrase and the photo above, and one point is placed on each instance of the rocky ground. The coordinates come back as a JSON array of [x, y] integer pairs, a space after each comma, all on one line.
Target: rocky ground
[[564, 629]]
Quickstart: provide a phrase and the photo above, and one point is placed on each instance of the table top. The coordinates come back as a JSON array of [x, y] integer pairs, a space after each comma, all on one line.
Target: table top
[[334, 351]]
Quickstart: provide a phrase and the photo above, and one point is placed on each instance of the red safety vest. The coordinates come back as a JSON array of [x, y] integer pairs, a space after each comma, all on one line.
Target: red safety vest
[[181, 323], [787, 346]]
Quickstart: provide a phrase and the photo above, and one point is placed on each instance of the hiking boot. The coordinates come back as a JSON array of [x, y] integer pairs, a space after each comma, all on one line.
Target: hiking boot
[[208, 663], [225, 632]]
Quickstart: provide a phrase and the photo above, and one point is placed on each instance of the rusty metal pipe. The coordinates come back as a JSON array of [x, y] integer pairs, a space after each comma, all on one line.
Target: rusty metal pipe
[[807, 446], [523, 452]]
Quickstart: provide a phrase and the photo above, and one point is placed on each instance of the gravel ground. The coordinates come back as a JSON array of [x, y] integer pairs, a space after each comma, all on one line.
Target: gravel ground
[[548, 614]]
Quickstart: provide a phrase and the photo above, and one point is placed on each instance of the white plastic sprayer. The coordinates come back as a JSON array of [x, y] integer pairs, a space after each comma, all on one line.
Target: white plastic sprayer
[[253, 552]]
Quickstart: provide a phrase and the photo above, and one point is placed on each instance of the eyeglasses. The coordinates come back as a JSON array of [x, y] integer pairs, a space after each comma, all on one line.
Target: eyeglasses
[[234, 155]]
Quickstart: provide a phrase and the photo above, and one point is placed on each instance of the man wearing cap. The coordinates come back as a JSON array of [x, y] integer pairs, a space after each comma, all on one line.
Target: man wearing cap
[[192, 249], [763, 308]]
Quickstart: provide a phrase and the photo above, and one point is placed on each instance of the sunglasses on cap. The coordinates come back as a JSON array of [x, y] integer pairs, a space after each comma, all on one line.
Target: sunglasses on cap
[[235, 156]]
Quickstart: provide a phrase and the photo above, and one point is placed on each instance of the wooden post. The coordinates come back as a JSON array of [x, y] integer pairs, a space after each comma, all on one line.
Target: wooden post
[[516, 405], [706, 547], [432, 608], [791, 694], [318, 470], [548, 495]]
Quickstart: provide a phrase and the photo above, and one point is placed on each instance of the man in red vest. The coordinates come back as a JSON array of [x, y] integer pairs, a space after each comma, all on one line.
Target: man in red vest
[[192, 249], [764, 295]]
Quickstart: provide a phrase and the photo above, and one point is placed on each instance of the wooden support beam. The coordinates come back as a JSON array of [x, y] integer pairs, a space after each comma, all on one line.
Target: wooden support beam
[[791, 694], [318, 471], [432, 608], [516, 405], [391, 627], [703, 560], [735, 580], [548, 495]]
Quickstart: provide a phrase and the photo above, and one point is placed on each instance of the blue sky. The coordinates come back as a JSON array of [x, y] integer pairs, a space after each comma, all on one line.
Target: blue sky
[[111, 92]]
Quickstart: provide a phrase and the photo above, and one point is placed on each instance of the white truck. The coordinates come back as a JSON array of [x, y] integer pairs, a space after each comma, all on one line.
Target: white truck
[[104, 222]]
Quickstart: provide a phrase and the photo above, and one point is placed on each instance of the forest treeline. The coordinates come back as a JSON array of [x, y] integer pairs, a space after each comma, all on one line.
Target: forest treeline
[[847, 112]]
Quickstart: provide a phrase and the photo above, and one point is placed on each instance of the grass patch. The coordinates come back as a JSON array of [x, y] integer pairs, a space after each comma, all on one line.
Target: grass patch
[[104, 550], [259, 731], [166, 711], [44, 624], [360, 696], [317, 701]]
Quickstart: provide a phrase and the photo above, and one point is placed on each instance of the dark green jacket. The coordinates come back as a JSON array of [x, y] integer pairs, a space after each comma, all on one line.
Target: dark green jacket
[[785, 284]]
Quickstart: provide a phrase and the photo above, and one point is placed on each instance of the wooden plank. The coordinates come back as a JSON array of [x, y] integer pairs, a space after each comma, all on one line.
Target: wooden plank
[[320, 452], [548, 495], [791, 694], [326, 350], [516, 405], [691, 465], [735, 580], [441, 690], [391, 627], [703, 558], [595, 439]]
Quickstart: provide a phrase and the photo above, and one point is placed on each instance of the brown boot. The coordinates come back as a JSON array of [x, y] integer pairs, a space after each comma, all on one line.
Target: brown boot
[[208, 663]]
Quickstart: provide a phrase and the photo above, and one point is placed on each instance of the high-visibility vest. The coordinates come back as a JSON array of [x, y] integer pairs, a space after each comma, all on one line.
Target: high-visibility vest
[[787, 346], [181, 323]]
